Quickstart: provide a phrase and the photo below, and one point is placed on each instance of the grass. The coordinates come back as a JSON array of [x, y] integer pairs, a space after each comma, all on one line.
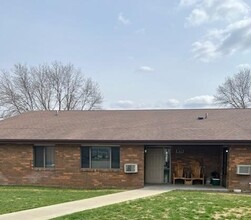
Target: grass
[[174, 205], [14, 198]]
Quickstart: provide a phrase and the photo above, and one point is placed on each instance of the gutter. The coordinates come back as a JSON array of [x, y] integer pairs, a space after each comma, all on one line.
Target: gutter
[[121, 142]]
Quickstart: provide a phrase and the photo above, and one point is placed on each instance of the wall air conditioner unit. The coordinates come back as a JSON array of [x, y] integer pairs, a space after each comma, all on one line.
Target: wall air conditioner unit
[[244, 169], [131, 168]]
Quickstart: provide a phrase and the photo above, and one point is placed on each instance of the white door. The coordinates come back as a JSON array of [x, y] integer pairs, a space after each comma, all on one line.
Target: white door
[[154, 166]]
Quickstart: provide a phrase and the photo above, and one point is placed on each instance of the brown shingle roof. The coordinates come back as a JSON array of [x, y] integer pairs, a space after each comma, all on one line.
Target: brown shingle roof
[[131, 125]]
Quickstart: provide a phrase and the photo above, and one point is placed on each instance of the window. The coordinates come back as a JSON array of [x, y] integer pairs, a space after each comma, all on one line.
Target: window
[[44, 156], [100, 157]]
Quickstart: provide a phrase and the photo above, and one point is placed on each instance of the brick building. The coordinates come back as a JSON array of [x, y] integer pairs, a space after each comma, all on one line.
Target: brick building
[[126, 149]]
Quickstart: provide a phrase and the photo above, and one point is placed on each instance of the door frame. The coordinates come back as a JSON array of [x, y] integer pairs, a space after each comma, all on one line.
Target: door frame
[[224, 166]]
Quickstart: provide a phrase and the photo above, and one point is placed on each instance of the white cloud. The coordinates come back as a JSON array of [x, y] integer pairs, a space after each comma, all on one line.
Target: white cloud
[[243, 66], [231, 35], [219, 42], [204, 101], [214, 10], [169, 104], [236, 36], [230, 10], [172, 103], [123, 104], [123, 20], [145, 69], [196, 18], [140, 31], [205, 51], [129, 104]]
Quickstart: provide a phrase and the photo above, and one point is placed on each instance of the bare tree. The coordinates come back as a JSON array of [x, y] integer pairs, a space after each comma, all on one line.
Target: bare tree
[[235, 91], [47, 87], [43, 91]]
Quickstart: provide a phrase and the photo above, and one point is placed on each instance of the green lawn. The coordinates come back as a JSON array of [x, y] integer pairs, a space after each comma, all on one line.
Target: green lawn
[[175, 205], [14, 198]]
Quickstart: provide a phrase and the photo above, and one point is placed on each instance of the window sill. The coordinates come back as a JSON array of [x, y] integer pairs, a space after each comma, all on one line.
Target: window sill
[[44, 168], [100, 170]]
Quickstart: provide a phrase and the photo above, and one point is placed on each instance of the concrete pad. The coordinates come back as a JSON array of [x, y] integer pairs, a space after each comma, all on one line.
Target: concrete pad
[[54, 211]]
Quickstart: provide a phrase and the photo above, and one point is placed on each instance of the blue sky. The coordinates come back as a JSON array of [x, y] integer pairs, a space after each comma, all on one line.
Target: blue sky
[[143, 53]]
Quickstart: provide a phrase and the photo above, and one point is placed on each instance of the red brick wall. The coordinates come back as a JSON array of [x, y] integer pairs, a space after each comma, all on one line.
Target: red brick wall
[[239, 155], [16, 168], [15, 162]]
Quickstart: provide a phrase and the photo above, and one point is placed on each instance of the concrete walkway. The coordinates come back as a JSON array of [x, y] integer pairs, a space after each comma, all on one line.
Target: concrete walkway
[[54, 211]]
